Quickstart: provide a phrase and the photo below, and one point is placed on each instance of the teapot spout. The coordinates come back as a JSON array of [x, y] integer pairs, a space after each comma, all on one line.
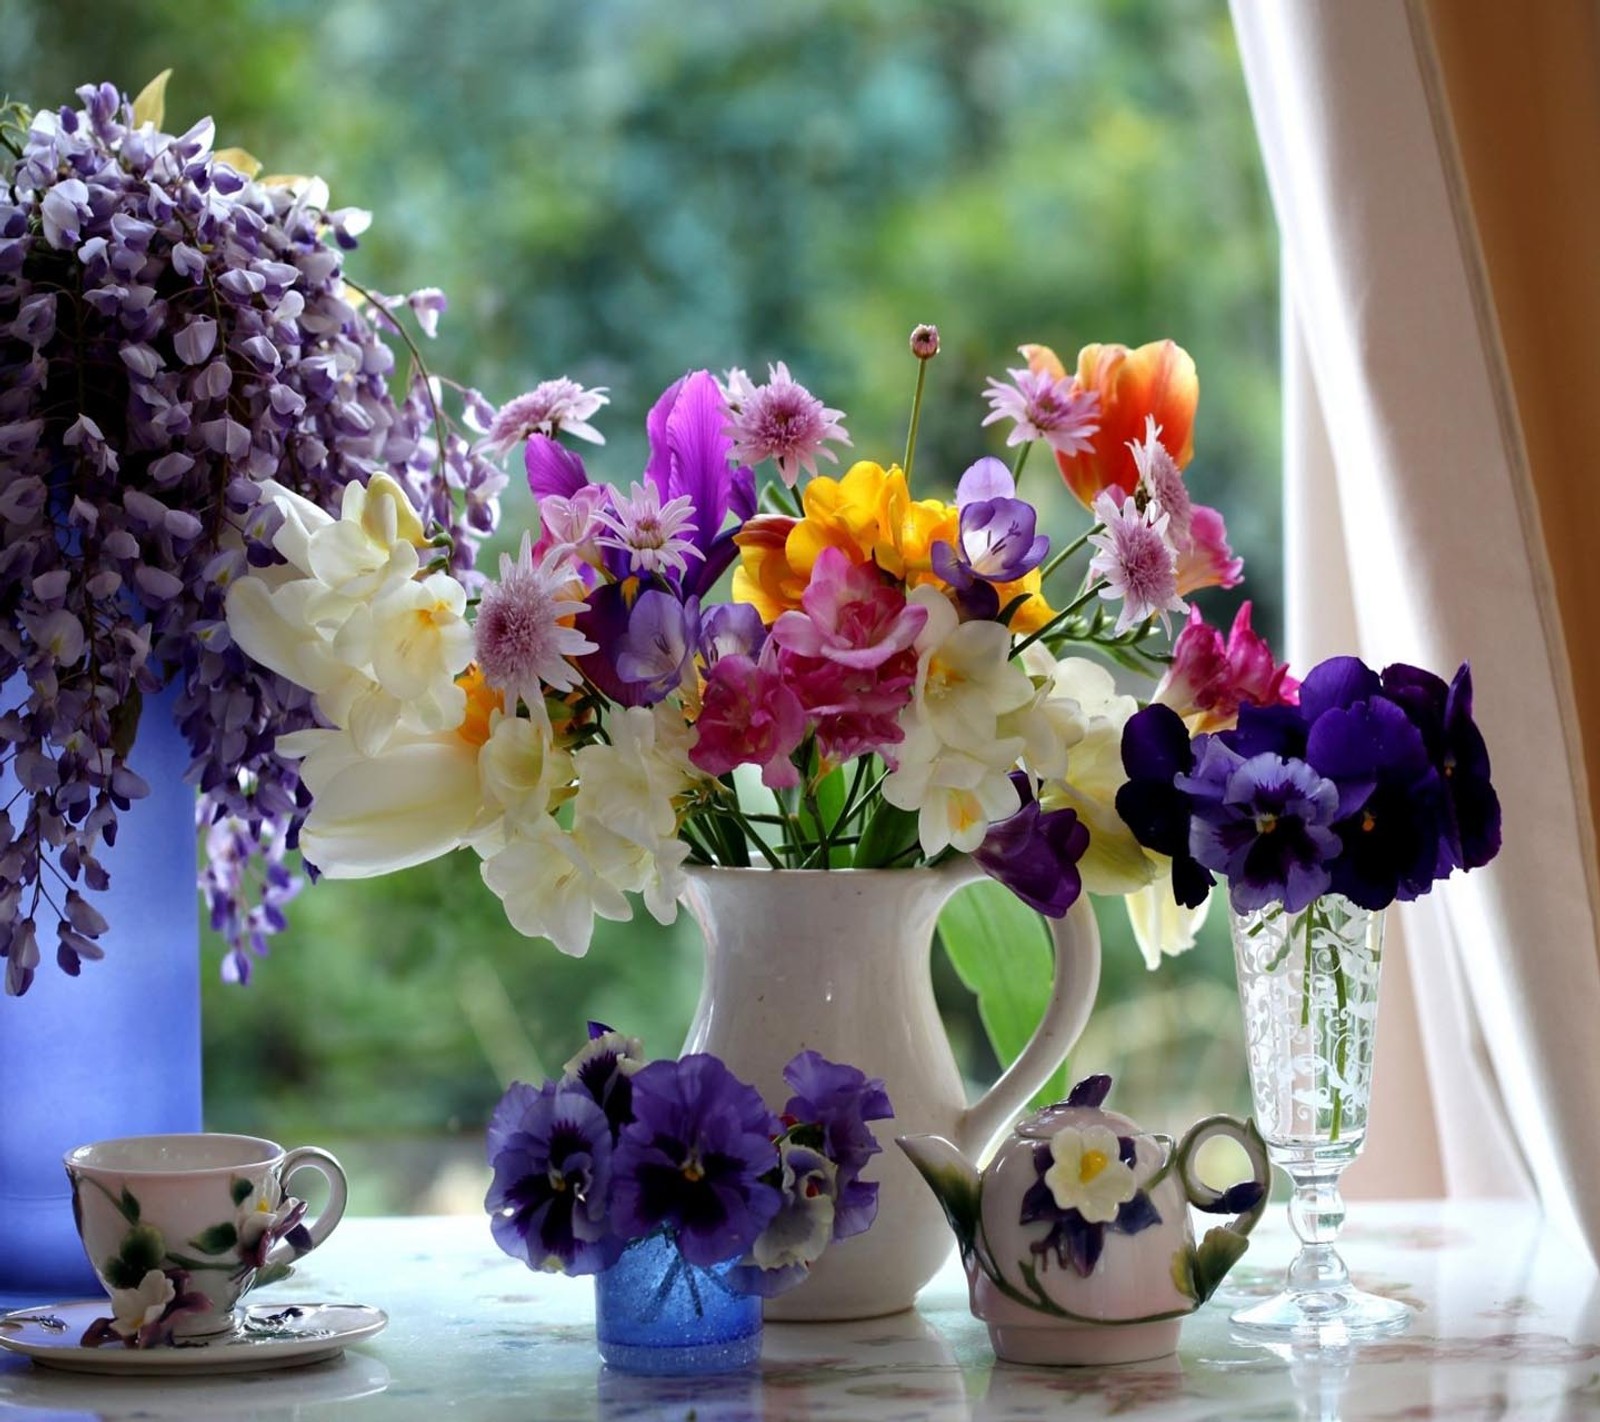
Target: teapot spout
[[952, 1178]]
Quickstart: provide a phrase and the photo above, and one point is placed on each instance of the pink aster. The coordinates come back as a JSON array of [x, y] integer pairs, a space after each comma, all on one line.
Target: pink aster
[[1137, 560], [780, 421], [1161, 482], [748, 717], [1210, 679], [1208, 561], [657, 535], [522, 645], [1046, 408], [549, 409]]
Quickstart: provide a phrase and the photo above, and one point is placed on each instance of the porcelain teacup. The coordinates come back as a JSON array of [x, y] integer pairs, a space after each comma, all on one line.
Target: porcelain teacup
[[180, 1227]]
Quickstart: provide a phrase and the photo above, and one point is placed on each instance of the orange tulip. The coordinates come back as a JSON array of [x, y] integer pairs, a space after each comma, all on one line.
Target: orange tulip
[[1156, 380]]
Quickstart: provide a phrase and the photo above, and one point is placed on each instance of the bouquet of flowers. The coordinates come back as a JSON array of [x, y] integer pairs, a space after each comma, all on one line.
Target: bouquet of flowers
[[618, 1150], [175, 332], [889, 679]]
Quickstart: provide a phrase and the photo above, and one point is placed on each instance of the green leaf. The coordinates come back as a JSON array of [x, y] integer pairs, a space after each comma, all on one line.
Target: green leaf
[[1001, 951], [142, 1250], [889, 833], [129, 1206], [1219, 1251], [219, 1239], [240, 1190], [125, 722]]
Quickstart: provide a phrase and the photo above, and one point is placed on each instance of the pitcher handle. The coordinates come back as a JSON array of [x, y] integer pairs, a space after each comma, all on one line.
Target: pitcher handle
[[1077, 978]]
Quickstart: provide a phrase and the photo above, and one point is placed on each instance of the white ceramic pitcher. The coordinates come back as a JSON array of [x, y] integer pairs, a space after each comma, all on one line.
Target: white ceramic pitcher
[[838, 961]]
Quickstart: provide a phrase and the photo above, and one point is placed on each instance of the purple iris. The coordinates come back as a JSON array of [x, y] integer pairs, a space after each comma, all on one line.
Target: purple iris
[[1155, 751], [1035, 853], [693, 1158], [841, 1100], [998, 539], [1264, 824], [551, 1151], [1393, 823]]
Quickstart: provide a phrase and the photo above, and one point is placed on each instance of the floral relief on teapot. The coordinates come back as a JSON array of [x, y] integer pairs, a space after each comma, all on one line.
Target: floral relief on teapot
[[1076, 1238]]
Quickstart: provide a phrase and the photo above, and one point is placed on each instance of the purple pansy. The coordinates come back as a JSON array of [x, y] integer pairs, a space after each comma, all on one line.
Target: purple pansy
[[841, 1099], [1035, 853], [693, 1158], [551, 1151], [1264, 824], [1156, 750], [604, 1068]]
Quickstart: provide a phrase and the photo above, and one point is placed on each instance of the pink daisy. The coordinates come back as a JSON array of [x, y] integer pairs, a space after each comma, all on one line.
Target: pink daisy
[[653, 532], [780, 421], [548, 409], [1161, 482], [522, 646], [1137, 560], [1043, 407]]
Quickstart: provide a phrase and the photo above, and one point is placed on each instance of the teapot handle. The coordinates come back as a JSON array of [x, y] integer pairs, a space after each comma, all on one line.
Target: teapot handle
[[1076, 937], [1245, 1201]]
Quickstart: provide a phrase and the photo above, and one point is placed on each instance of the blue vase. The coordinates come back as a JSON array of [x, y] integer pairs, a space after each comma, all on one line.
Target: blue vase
[[654, 1312], [115, 1051]]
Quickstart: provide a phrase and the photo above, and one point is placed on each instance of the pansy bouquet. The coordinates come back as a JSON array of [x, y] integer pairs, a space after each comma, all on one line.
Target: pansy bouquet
[[618, 1150], [827, 672], [175, 332]]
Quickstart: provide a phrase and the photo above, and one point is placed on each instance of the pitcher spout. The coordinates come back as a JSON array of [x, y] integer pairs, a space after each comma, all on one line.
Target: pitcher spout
[[954, 1181]]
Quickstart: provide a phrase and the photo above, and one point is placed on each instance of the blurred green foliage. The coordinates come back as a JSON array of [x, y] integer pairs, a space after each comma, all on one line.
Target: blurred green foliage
[[623, 190]]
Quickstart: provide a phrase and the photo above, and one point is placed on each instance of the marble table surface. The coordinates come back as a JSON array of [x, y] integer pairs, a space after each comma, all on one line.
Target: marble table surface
[[1507, 1326]]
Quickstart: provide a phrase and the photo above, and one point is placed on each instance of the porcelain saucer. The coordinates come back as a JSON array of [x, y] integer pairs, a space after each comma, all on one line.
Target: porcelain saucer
[[268, 1336]]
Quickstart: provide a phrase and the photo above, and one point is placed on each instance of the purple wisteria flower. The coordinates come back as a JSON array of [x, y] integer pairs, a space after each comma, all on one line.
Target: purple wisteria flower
[[210, 324], [1264, 824], [1035, 853], [551, 1151], [840, 1100], [781, 421], [1044, 407], [693, 1158]]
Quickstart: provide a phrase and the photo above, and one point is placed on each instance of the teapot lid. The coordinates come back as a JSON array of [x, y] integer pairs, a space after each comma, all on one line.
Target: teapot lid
[[1083, 1100]]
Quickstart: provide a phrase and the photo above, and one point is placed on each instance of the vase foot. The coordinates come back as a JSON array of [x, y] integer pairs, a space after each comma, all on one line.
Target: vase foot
[[677, 1359], [1324, 1317]]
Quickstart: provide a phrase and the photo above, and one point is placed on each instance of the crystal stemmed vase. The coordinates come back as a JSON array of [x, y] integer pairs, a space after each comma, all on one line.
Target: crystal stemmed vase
[[1308, 983]]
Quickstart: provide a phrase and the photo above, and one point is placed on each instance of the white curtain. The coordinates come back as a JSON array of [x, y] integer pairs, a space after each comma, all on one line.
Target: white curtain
[[1415, 535]]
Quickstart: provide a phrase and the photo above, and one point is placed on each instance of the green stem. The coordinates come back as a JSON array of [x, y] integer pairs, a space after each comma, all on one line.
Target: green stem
[[1022, 458], [1341, 1052], [1057, 559], [750, 833], [1073, 607], [916, 419]]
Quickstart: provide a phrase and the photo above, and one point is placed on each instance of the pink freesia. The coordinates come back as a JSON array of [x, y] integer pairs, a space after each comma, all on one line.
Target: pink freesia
[[852, 615], [855, 710], [748, 717], [1207, 561], [1209, 679]]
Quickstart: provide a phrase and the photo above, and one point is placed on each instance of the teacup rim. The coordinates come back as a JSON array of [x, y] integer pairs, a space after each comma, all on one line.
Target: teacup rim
[[273, 1152]]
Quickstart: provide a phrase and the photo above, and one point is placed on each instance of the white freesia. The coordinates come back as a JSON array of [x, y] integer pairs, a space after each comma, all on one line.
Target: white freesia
[[551, 889], [629, 785], [1161, 925], [956, 795], [521, 769], [966, 679], [372, 814]]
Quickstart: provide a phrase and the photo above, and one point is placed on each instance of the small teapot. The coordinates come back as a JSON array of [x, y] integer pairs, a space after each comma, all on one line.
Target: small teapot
[[1076, 1237]]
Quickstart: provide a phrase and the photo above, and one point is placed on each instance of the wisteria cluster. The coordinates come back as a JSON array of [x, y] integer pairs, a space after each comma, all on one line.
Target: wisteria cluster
[[174, 332], [617, 1150]]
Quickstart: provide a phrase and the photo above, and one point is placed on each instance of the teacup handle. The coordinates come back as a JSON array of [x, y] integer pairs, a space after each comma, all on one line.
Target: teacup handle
[[310, 1158], [1246, 1200]]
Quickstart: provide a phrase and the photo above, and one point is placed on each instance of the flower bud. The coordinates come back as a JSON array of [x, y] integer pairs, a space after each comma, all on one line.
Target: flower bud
[[925, 342]]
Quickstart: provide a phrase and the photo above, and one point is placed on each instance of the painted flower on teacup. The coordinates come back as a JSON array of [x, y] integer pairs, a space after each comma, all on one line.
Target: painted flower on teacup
[[144, 1316]]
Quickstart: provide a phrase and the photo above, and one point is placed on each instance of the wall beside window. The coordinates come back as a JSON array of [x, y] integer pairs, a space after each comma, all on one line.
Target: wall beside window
[[623, 190]]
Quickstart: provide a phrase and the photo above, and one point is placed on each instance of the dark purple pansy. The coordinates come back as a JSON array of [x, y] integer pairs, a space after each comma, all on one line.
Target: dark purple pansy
[[550, 1148], [1156, 750], [1264, 824], [841, 1099], [1035, 853], [693, 1158], [1393, 822], [604, 1069]]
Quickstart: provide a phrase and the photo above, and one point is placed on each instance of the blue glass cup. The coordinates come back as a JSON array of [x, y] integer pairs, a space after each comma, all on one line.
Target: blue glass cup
[[656, 1313]]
